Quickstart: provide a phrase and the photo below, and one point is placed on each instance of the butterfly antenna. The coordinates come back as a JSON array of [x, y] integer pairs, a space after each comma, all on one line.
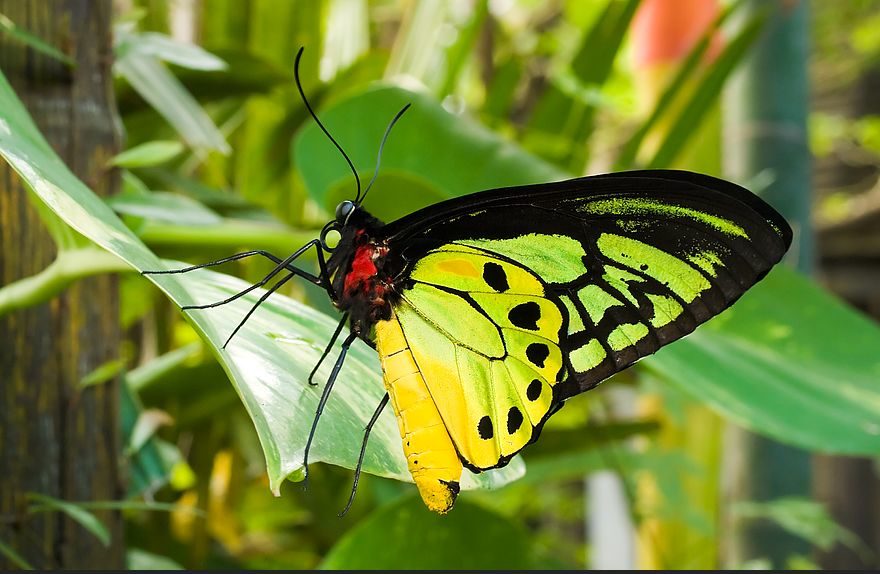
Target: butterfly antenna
[[382, 147], [320, 125]]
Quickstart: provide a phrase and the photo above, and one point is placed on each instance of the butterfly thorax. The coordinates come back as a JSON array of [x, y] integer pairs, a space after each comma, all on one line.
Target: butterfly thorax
[[365, 271]]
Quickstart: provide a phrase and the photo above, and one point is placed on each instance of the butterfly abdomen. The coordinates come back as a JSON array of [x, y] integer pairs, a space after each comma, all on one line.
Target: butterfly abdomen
[[430, 454]]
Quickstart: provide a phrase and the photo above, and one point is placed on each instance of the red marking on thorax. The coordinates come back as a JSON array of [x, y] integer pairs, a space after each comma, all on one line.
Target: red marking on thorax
[[363, 269]]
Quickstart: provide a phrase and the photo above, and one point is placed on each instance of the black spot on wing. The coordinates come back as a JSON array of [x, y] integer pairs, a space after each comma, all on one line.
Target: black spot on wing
[[514, 420], [495, 277], [525, 315], [534, 390], [484, 427], [537, 353]]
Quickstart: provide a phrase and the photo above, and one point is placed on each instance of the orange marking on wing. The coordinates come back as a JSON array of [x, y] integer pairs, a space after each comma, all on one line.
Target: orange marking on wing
[[461, 267]]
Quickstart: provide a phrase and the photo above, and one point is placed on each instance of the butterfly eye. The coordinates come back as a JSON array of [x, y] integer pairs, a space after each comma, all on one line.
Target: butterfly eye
[[343, 211]]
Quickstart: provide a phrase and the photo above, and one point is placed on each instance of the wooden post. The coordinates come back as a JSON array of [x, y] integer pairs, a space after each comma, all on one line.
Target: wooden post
[[57, 438]]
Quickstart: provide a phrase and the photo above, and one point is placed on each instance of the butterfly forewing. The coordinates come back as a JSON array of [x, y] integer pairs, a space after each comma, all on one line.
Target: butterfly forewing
[[516, 299]]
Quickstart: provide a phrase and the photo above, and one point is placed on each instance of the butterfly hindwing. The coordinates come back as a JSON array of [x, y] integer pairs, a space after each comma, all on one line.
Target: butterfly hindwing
[[486, 340]]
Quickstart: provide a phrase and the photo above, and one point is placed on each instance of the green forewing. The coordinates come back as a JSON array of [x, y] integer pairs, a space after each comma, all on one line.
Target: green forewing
[[602, 270]]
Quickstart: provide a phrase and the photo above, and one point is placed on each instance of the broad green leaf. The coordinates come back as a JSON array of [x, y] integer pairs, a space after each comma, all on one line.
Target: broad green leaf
[[431, 154], [268, 361], [9, 27], [222, 201], [164, 207], [148, 154], [787, 360], [83, 517], [406, 536]]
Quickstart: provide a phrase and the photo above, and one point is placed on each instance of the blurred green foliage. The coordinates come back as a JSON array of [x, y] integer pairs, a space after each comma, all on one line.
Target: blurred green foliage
[[221, 156]]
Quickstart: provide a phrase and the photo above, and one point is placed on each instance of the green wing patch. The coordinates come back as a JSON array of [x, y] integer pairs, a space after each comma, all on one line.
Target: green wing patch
[[629, 274]]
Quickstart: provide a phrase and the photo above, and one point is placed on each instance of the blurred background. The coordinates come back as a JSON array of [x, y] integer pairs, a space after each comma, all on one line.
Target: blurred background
[[751, 444]]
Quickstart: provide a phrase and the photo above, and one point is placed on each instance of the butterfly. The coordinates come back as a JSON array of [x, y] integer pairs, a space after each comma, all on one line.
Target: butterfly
[[489, 311]]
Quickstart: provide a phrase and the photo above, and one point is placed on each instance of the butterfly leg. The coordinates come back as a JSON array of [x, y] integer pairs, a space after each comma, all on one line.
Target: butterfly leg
[[285, 264], [324, 275], [323, 402], [328, 348], [235, 257], [357, 470], [265, 296]]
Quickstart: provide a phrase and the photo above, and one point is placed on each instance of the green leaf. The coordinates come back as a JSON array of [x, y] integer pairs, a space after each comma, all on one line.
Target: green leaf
[[807, 519], [706, 93], [595, 57], [14, 557], [137, 559], [229, 234], [269, 360], [787, 360], [145, 428], [148, 470], [627, 157], [165, 208], [592, 65], [461, 49], [169, 50], [103, 373], [431, 154], [69, 266], [148, 154], [20, 34], [149, 373], [406, 536], [74, 511], [140, 506], [245, 75], [155, 84]]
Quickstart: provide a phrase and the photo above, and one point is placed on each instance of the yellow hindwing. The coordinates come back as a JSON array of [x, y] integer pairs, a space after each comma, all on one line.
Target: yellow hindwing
[[430, 455], [483, 342]]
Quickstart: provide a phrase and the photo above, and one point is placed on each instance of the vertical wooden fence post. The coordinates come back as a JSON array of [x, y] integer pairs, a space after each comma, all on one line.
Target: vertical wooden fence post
[[57, 438]]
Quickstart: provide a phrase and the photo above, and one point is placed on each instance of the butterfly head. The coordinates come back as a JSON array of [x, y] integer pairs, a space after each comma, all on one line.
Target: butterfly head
[[344, 211]]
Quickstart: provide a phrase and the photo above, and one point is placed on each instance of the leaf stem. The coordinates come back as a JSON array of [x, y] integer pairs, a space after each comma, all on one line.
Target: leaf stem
[[70, 265], [230, 235]]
